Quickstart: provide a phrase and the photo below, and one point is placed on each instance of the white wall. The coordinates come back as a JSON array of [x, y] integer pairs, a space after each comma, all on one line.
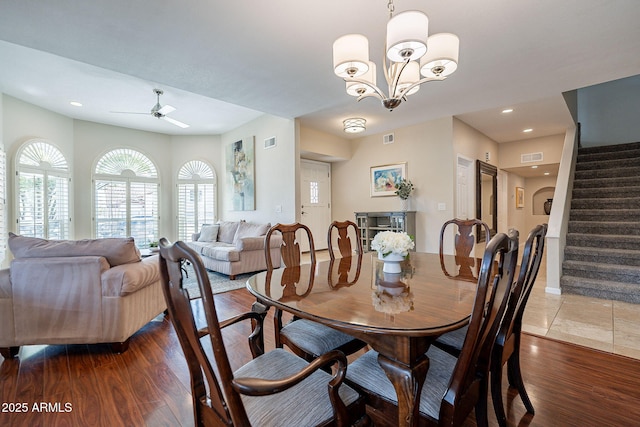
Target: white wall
[[427, 149], [473, 144], [276, 171]]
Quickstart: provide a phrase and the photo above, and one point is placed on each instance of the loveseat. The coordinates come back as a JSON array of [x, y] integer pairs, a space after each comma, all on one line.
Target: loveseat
[[76, 292], [235, 247]]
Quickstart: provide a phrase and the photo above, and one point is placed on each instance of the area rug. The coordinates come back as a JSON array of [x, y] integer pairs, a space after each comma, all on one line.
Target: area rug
[[219, 282]]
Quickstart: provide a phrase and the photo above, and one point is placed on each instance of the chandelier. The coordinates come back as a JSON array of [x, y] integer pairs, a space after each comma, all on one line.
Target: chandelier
[[412, 58]]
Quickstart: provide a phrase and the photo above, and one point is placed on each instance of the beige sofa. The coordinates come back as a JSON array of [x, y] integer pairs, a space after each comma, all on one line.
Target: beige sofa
[[235, 247], [76, 292]]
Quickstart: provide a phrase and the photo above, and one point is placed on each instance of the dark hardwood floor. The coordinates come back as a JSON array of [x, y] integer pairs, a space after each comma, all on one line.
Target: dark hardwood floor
[[80, 385]]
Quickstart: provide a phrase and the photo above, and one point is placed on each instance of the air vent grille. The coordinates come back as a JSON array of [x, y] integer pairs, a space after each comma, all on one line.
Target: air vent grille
[[530, 157], [387, 139]]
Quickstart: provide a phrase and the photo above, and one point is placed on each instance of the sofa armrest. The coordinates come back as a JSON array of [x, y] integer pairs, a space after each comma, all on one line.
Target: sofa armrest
[[257, 243], [250, 243], [58, 297], [129, 278]]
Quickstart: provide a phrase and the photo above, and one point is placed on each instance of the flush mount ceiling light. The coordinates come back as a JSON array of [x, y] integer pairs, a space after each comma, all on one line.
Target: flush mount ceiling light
[[354, 125], [412, 58]]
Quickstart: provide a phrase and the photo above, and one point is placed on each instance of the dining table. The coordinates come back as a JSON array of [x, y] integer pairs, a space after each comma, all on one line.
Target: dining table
[[398, 315]]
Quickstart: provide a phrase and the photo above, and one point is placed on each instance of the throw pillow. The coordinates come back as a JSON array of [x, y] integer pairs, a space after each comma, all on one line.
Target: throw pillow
[[227, 231], [251, 229], [209, 233]]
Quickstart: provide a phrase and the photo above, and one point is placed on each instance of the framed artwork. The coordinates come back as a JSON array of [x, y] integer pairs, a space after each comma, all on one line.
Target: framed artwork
[[241, 181], [384, 178], [519, 197]]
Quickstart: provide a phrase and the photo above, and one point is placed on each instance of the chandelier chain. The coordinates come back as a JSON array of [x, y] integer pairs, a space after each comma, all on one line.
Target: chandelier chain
[[391, 8]]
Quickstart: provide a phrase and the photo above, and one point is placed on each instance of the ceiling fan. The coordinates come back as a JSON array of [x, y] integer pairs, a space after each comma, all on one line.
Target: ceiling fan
[[160, 111]]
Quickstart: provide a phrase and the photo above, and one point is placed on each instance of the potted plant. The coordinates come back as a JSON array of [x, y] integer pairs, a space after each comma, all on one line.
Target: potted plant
[[404, 187]]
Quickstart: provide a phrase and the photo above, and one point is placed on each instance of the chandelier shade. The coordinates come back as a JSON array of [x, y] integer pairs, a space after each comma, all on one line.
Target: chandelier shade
[[407, 34], [442, 56], [354, 125], [351, 55], [359, 89], [411, 58], [408, 76]]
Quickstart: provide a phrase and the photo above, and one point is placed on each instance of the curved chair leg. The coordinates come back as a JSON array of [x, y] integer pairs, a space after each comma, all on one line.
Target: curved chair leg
[[9, 352], [496, 387], [515, 380]]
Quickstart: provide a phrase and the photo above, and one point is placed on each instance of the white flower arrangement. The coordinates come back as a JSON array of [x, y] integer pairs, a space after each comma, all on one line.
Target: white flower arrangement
[[388, 242]]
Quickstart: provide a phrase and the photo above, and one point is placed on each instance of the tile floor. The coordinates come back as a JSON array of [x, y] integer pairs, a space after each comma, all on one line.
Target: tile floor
[[610, 326], [606, 325]]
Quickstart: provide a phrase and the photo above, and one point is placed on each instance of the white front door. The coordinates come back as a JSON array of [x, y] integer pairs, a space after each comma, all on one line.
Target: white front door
[[315, 196]]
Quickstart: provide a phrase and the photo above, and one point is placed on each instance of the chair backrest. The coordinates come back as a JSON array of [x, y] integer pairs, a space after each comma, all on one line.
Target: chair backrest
[[464, 241], [290, 248], [211, 408], [529, 266], [344, 241], [494, 285]]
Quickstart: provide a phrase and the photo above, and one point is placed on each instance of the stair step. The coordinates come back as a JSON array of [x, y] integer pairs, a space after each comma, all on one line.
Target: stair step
[[598, 193], [604, 215], [604, 289], [607, 203], [603, 241], [602, 255], [622, 228], [612, 148], [602, 271], [591, 183], [608, 155], [622, 162], [626, 171]]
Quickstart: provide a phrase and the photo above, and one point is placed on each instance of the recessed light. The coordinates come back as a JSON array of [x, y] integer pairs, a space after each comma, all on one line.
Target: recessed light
[[527, 130], [534, 167], [507, 110], [76, 103], [546, 173]]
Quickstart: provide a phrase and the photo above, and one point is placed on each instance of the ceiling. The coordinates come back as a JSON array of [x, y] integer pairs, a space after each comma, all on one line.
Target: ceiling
[[222, 64]]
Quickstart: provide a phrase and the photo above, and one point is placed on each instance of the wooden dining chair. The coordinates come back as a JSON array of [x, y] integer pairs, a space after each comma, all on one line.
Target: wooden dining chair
[[344, 241], [507, 344], [464, 242], [274, 388], [306, 338], [453, 386]]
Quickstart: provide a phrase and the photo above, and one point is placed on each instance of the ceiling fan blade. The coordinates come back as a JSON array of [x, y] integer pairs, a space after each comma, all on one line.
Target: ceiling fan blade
[[166, 109], [127, 112], [175, 122]]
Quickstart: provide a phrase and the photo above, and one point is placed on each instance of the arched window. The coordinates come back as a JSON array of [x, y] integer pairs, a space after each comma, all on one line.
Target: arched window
[[43, 181], [126, 188], [196, 198]]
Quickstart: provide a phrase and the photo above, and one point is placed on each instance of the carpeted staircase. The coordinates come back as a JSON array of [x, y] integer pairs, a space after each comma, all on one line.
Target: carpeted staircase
[[602, 254]]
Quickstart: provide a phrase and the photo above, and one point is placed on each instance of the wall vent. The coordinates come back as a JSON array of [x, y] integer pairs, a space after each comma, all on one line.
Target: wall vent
[[387, 139], [530, 157]]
